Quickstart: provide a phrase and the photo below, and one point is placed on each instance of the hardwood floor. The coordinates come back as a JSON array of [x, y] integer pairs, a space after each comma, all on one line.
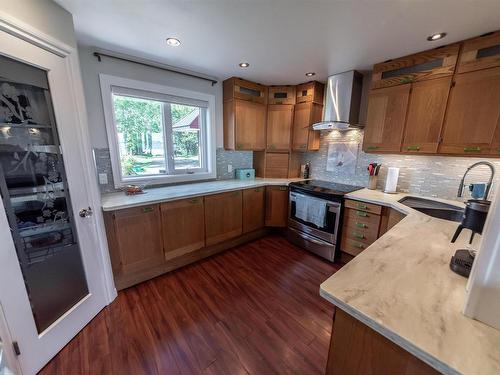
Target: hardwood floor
[[254, 309]]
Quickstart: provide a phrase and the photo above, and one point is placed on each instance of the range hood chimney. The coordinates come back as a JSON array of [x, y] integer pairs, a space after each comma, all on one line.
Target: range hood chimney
[[343, 98]]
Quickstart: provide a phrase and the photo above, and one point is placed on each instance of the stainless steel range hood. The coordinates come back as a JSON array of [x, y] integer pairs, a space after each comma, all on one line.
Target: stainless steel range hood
[[343, 98]]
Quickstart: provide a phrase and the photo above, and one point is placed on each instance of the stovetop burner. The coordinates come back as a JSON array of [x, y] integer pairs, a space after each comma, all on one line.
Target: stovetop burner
[[324, 188]]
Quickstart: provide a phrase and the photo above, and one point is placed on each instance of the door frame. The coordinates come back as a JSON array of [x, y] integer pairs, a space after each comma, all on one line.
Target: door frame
[[71, 69]]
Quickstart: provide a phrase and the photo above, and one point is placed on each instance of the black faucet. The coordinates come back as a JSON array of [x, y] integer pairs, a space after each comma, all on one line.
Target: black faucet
[[488, 185]]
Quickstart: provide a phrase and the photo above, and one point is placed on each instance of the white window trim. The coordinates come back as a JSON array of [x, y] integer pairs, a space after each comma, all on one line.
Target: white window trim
[[108, 82]]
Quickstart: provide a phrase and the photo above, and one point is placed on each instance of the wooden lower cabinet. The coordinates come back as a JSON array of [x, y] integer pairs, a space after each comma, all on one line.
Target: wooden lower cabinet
[[276, 206], [357, 349], [253, 209], [135, 239], [223, 217], [364, 223], [183, 226]]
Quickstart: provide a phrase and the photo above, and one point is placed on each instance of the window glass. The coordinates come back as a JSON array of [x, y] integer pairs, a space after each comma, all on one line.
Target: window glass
[[140, 132], [186, 125]]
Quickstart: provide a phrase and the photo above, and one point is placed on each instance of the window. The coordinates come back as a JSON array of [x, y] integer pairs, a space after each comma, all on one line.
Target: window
[[157, 134]]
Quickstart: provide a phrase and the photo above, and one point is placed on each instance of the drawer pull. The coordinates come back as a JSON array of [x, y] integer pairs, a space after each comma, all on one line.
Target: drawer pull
[[472, 149], [362, 206], [361, 213], [361, 225], [498, 149], [360, 246], [359, 236], [283, 188], [371, 147], [194, 200], [413, 148], [147, 209]]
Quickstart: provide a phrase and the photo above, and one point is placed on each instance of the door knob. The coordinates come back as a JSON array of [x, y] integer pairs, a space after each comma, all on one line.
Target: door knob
[[86, 212]]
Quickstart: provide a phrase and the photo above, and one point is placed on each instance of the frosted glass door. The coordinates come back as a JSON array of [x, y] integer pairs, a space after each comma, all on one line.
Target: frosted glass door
[[35, 194]]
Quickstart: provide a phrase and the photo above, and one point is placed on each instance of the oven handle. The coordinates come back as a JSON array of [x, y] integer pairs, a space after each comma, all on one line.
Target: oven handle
[[332, 206], [310, 238]]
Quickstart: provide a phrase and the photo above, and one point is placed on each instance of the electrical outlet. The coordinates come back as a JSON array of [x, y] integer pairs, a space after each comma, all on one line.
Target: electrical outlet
[[229, 168], [103, 178]]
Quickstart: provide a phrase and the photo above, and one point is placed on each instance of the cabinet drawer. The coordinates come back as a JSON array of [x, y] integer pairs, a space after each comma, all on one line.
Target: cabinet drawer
[[352, 247], [363, 206], [361, 232], [357, 218], [310, 92]]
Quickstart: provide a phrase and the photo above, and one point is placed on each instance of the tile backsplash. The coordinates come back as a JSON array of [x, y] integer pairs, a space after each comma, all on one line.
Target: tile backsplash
[[238, 159], [433, 176]]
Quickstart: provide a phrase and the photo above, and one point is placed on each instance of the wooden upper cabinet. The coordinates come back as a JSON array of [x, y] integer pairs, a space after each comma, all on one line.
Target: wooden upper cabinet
[[480, 53], [279, 127], [237, 88], [276, 206], [435, 63], [244, 125], [277, 165], [183, 226], [386, 118], [223, 217], [310, 92], [427, 106], [253, 209], [135, 239], [473, 114], [281, 95], [304, 137]]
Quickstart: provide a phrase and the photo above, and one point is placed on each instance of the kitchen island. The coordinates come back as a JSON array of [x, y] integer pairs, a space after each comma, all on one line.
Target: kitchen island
[[401, 287]]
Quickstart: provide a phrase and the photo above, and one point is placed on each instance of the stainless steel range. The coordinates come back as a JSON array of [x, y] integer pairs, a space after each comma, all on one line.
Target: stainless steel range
[[315, 213]]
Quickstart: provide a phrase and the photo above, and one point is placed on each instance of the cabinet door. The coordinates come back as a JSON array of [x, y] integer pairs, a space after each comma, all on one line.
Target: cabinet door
[[473, 113], [276, 206], [250, 125], [279, 127], [386, 118], [183, 225], [137, 243], [304, 138], [223, 217], [425, 115], [277, 165], [253, 209]]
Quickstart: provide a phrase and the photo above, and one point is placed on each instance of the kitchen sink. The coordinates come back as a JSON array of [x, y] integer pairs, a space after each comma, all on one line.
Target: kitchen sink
[[433, 208]]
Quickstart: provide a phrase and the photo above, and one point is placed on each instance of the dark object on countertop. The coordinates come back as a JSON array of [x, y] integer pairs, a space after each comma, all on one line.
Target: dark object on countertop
[[461, 262], [474, 217]]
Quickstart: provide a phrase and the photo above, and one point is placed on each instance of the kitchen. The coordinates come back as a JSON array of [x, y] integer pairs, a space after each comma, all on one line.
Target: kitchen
[[334, 214]]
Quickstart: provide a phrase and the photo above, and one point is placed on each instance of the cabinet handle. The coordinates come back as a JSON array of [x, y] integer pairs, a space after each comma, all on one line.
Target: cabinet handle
[[361, 225], [413, 148], [272, 147], [472, 149], [194, 200], [302, 146], [407, 79], [360, 246], [283, 188], [359, 236], [371, 147], [498, 149], [239, 146], [361, 213], [362, 206], [147, 209]]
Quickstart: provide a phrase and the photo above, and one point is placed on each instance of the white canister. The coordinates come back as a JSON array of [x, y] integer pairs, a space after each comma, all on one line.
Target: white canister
[[391, 181]]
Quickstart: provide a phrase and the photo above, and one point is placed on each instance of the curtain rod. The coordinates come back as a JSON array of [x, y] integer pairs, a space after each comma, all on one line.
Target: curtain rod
[[99, 56]]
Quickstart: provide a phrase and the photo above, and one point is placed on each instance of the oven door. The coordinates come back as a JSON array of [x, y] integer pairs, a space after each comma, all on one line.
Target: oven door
[[327, 232]]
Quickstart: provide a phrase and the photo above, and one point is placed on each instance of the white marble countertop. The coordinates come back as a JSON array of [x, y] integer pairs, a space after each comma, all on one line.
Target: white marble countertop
[[117, 201], [402, 287]]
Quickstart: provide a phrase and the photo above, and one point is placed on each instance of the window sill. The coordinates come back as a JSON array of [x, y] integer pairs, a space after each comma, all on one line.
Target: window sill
[[168, 179]]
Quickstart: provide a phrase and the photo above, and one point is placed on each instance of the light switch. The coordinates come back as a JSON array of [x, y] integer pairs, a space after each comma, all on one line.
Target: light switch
[[229, 168], [103, 178]]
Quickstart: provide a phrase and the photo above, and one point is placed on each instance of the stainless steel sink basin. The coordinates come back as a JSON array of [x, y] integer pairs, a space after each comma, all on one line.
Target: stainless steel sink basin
[[433, 208]]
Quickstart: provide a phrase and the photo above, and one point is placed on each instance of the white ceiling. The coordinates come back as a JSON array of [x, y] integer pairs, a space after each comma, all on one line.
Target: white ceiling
[[281, 39]]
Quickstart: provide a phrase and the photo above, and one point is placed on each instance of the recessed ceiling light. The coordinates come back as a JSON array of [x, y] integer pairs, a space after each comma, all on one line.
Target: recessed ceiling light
[[437, 36], [244, 65], [173, 42], [310, 74]]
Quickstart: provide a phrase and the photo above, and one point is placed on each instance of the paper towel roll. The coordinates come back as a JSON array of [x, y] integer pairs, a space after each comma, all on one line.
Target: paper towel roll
[[391, 181]]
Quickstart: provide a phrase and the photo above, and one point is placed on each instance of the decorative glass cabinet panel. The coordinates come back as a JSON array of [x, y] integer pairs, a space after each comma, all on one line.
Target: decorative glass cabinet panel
[[35, 194]]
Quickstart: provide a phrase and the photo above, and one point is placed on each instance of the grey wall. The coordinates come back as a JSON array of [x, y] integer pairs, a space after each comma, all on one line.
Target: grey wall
[[43, 15], [434, 176]]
